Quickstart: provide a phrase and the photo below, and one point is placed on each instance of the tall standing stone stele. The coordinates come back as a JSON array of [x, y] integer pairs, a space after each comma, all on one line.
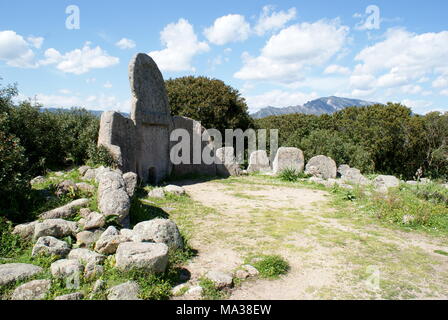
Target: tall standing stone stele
[[141, 144]]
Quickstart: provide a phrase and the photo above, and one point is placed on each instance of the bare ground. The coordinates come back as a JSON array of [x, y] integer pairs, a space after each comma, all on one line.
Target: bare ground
[[332, 255]]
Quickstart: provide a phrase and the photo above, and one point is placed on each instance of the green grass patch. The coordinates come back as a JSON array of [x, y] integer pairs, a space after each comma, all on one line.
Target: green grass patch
[[210, 292], [291, 175], [269, 266]]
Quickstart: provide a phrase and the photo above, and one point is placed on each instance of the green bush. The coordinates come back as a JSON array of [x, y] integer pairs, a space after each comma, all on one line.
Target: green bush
[[100, 156], [10, 244], [291, 175]]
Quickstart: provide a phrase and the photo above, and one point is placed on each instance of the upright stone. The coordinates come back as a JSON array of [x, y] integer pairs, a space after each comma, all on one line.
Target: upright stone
[[258, 161], [288, 158], [151, 114], [321, 167], [226, 164]]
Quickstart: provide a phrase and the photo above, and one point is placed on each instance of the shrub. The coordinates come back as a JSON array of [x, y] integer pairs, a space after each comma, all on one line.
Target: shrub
[[100, 156], [10, 244], [291, 175]]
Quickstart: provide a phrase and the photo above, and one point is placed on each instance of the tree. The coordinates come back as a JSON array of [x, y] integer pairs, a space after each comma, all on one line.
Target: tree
[[210, 101]]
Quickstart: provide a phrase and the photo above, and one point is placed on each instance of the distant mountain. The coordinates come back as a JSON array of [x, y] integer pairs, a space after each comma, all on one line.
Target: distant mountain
[[327, 105], [96, 113]]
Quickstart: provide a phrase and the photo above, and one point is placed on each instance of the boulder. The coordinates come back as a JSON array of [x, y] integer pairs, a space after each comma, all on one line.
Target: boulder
[[220, 279], [12, 272], [50, 246], [71, 296], [57, 228], [112, 196], [33, 290], [177, 190], [64, 187], [37, 180], [92, 271], [130, 181], [258, 161], [288, 158], [131, 235], [321, 167], [85, 187], [156, 193], [84, 212], [108, 243], [26, 230], [352, 175], [149, 257], [98, 286], [160, 231], [65, 211], [83, 169], [226, 164], [88, 237], [125, 291], [85, 256], [382, 183], [90, 174], [94, 220], [66, 268]]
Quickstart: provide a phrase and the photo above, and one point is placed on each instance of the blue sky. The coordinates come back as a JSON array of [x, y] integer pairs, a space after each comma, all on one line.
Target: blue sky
[[277, 53]]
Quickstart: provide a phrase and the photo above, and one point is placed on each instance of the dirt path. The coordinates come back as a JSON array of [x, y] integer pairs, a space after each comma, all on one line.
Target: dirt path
[[332, 256]]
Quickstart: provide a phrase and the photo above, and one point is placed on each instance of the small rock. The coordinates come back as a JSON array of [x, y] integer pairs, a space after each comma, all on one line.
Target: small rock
[[50, 246], [85, 256], [156, 193], [87, 238], [160, 231], [37, 180], [242, 274], [94, 220], [12, 272], [26, 230], [130, 181], [131, 235], [177, 290], [64, 187], [90, 174], [65, 211], [109, 244], [84, 212], [66, 268], [253, 272], [71, 296], [194, 293], [57, 228], [408, 219], [33, 290], [177, 190], [83, 169], [220, 279], [59, 173], [149, 257], [383, 183], [85, 187], [92, 271], [124, 291], [99, 286]]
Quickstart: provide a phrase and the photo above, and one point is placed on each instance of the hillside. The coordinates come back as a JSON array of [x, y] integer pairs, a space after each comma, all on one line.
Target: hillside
[[326, 105]]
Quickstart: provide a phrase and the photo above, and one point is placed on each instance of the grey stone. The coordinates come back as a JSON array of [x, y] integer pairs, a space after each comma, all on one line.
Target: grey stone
[[83, 169], [71, 296], [149, 257], [37, 180], [352, 175], [90, 174], [160, 231], [177, 290], [382, 183], [220, 279], [87, 238], [85, 187], [130, 182], [65, 187], [112, 196], [65, 211], [131, 235], [322, 167], [84, 212], [156, 193], [288, 158], [98, 286], [26, 230], [412, 183], [12, 272], [94, 220], [85, 256], [259, 161], [50, 246], [57, 228], [408, 219], [199, 141], [66, 268], [253, 272], [108, 244], [125, 291], [33, 290], [177, 190], [226, 164], [92, 271], [194, 293]]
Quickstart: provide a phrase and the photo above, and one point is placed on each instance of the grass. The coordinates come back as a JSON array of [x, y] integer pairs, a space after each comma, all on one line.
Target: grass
[[292, 175], [209, 290], [269, 266]]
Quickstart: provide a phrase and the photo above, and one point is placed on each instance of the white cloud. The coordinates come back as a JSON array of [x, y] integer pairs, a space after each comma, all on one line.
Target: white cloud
[[288, 52], [411, 89], [36, 41], [80, 61], [226, 29], [271, 21], [357, 93], [125, 44], [440, 82], [90, 80], [181, 45], [444, 92], [419, 106], [403, 58], [279, 98], [15, 51], [336, 69], [107, 85], [65, 91]]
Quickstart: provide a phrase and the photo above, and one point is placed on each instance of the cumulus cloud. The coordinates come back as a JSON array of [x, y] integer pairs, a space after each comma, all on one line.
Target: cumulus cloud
[[270, 20], [419, 106], [181, 45], [79, 61], [293, 48], [125, 44], [36, 41], [279, 98], [336, 69], [226, 29], [403, 58], [15, 51]]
